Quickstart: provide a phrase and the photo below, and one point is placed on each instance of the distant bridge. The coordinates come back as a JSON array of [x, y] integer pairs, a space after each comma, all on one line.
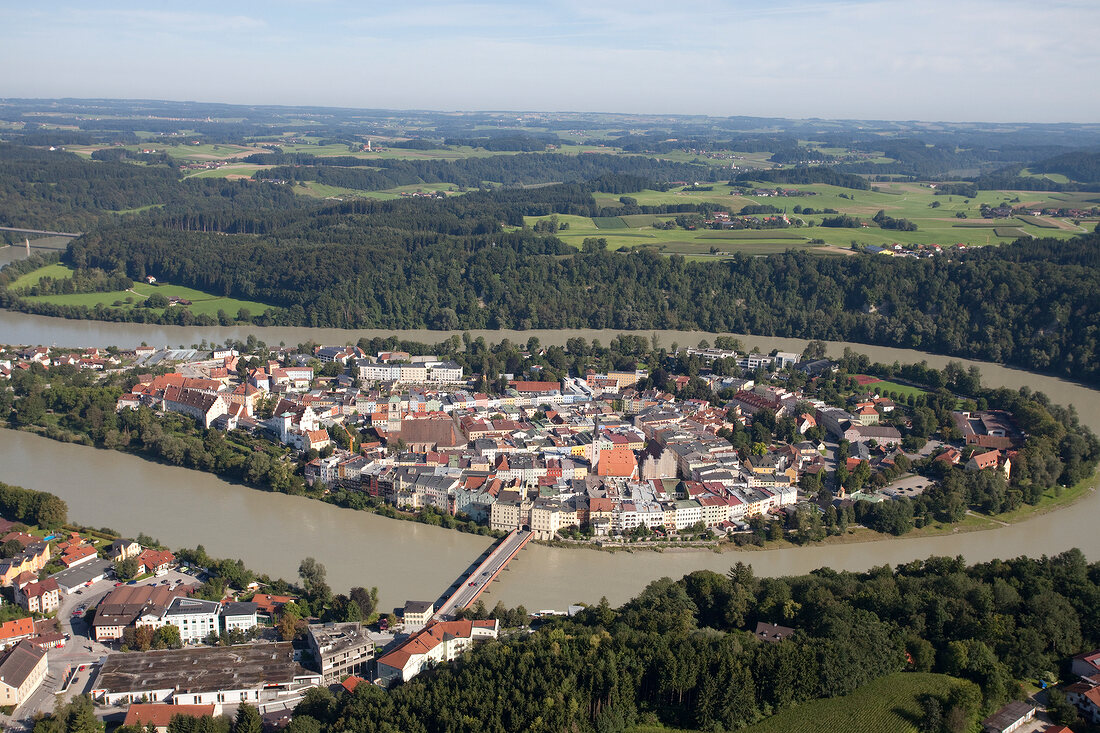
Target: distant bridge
[[471, 585], [40, 231]]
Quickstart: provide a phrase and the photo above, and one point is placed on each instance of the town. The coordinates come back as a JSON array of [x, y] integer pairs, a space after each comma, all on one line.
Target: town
[[707, 445]]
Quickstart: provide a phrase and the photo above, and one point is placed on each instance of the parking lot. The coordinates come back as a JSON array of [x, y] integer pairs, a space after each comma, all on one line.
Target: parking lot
[[908, 486]]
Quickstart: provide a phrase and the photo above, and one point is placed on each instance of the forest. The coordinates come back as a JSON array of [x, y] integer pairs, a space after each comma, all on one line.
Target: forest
[[449, 264], [682, 653]]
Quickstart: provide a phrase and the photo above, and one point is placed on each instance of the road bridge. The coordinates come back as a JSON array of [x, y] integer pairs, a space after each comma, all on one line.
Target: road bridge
[[471, 585]]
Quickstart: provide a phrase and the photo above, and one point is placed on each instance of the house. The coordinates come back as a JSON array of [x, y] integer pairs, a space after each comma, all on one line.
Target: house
[[32, 559], [22, 670], [78, 556], [13, 632], [42, 597], [1011, 717], [155, 561], [340, 650], [123, 550], [269, 605], [440, 642], [417, 613], [1087, 664], [159, 716], [1087, 699], [773, 633]]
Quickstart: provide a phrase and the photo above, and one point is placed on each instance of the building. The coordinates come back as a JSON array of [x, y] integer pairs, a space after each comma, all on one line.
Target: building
[[159, 715], [72, 579], [155, 561], [42, 597], [238, 616], [33, 558], [417, 613], [440, 642], [195, 618], [15, 631], [252, 673], [134, 605], [22, 670], [340, 650], [773, 633], [1009, 718], [123, 550]]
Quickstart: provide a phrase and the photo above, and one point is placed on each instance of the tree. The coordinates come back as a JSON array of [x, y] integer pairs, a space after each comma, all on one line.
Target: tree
[[126, 569], [167, 637], [248, 720], [367, 601], [11, 548], [314, 580]]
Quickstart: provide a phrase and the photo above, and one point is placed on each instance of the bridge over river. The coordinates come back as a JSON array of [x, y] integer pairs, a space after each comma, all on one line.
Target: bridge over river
[[472, 584]]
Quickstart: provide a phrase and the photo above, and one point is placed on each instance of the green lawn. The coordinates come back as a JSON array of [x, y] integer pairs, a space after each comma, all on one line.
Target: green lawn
[[201, 303], [902, 389], [887, 705]]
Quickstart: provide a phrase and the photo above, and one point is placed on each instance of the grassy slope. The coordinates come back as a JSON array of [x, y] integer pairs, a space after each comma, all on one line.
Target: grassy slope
[[887, 705], [201, 303]]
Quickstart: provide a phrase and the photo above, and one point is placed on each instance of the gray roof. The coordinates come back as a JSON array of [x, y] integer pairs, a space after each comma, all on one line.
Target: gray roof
[[19, 663], [182, 606], [82, 573], [418, 606], [239, 609]]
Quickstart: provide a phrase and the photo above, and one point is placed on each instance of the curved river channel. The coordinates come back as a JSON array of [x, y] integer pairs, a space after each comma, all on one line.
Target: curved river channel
[[406, 560]]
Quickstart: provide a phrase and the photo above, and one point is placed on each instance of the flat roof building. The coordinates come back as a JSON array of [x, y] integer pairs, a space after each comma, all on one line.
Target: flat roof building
[[252, 673]]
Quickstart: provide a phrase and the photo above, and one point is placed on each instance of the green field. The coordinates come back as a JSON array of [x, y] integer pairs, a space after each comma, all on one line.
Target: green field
[[887, 705], [902, 389], [751, 234], [913, 201], [609, 222], [56, 271], [1013, 232], [201, 303]]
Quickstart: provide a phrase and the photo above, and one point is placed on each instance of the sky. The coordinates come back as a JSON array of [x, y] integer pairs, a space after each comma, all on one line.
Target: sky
[[950, 60]]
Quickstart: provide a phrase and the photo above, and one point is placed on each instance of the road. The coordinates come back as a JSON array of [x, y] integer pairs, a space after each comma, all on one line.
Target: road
[[472, 585], [79, 650]]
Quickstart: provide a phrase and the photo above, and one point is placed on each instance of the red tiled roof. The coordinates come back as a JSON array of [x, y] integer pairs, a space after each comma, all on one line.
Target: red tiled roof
[[351, 683], [160, 715], [18, 627]]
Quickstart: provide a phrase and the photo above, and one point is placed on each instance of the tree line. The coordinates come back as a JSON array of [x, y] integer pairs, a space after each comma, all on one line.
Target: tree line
[[683, 653]]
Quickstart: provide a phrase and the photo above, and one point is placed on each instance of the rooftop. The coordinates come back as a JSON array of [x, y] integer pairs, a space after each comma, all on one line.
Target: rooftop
[[201, 669]]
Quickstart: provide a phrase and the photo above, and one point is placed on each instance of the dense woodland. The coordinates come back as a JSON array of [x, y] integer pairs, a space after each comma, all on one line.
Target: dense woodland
[[682, 652], [448, 264]]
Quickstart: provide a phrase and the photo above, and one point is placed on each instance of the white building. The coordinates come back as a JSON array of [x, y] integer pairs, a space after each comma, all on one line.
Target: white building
[[196, 619]]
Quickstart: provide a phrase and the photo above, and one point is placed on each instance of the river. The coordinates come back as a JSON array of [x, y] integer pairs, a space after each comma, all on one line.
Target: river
[[272, 532]]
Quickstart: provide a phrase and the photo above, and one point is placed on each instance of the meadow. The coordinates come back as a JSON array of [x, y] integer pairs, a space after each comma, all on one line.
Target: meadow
[[202, 303], [891, 703]]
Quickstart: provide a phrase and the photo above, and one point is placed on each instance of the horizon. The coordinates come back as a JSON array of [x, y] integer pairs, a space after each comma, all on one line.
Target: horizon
[[494, 111], [862, 60]]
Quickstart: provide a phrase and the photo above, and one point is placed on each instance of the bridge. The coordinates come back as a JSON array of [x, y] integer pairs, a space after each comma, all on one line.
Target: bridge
[[471, 585], [40, 231]]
